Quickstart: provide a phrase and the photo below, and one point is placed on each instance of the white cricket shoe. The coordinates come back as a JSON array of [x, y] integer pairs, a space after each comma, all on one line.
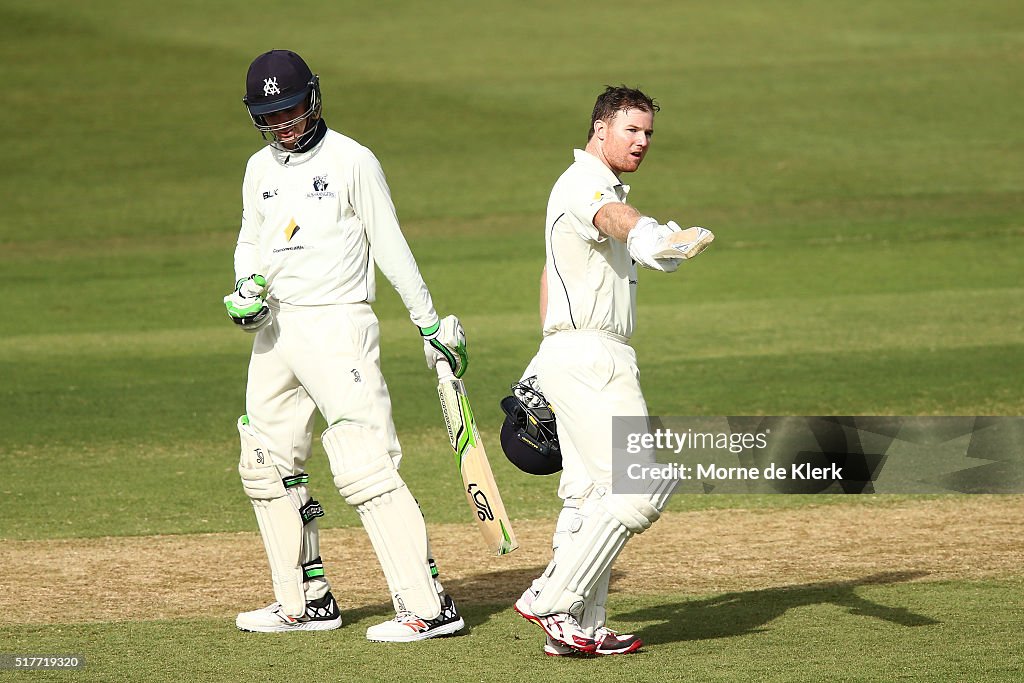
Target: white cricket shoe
[[562, 627], [407, 627], [321, 615], [608, 643]]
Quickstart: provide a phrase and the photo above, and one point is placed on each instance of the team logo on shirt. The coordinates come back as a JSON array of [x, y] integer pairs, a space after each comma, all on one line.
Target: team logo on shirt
[[320, 188]]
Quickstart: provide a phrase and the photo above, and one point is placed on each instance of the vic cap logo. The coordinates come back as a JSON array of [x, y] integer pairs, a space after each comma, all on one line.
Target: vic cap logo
[[270, 86]]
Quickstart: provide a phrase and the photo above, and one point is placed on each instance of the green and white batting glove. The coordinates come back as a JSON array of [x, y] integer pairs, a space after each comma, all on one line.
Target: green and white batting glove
[[445, 341], [247, 305]]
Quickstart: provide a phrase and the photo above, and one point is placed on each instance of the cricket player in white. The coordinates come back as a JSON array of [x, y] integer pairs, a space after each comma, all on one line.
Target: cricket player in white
[[588, 372], [317, 215]]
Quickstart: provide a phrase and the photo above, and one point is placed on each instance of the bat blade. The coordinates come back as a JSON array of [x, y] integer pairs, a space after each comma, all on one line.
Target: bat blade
[[474, 467]]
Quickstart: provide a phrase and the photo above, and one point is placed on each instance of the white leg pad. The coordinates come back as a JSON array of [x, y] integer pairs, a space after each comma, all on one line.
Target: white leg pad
[[608, 522], [367, 478], [594, 614], [568, 524], [566, 529], [278, 519]]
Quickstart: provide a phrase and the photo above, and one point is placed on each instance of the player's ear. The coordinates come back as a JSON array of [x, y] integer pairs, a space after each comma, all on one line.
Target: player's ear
[[600, 128]]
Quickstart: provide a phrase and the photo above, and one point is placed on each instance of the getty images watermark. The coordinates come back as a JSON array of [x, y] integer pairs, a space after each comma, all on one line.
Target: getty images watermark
[[824, 454]]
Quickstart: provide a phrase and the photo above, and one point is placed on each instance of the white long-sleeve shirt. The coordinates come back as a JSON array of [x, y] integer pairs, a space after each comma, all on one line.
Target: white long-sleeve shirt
[[591, 278], [315, 223]]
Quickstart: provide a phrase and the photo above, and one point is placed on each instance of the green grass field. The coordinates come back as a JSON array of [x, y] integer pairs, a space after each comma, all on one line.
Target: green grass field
[[861, 163]]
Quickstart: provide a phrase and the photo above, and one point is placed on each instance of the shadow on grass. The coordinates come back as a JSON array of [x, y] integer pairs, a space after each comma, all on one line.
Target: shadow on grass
[[734, 614], [482, 596], [478, 597]]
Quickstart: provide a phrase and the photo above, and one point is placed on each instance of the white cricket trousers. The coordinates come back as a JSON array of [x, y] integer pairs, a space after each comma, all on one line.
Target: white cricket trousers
[[317, 357], [589, 377]]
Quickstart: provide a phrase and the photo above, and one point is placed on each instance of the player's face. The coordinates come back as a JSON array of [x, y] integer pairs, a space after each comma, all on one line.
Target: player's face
[[626, 140], [288, 135]]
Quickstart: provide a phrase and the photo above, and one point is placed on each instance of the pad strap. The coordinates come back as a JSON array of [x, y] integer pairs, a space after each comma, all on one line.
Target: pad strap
[[300, 479], [314, 569], [310, 511]]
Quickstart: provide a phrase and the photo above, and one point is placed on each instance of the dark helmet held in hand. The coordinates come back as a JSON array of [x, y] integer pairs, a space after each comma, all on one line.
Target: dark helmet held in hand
[[528, 435]]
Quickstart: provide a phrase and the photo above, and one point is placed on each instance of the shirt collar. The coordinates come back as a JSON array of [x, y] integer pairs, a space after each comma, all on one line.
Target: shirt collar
[[587, 159]]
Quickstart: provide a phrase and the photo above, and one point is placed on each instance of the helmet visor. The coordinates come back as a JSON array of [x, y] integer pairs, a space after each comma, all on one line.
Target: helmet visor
[[270, 107]]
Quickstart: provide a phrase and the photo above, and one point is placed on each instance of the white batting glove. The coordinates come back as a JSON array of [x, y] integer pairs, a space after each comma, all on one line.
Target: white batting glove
[[247, 306], [684, 244], [645, 239], [664, 247], [445, 341]]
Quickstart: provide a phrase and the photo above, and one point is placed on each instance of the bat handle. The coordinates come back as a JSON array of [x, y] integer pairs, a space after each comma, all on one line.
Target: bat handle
[[444, 371]]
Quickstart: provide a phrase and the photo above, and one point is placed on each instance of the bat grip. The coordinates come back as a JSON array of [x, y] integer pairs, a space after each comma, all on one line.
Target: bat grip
[[444, 371]]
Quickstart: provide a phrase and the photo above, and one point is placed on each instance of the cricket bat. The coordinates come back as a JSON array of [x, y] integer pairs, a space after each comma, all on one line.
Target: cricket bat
[[477, 478]]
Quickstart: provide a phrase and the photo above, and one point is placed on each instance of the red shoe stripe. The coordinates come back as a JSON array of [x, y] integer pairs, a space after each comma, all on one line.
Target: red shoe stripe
[[580, 645]]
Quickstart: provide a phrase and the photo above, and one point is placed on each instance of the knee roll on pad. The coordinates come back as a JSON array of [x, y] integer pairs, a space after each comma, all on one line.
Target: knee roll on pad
[[277, 516], [362, 467], [608, 522], [367, 478], [260, 479], [374, 479], [633, 511]]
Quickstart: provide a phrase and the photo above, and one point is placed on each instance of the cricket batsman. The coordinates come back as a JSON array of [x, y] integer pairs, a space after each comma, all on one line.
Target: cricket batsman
[[316, 216], [588, 372]]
